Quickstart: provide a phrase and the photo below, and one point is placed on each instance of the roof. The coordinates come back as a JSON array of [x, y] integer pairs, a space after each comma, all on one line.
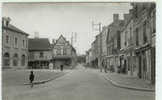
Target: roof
[[37, 44], [14, 28]]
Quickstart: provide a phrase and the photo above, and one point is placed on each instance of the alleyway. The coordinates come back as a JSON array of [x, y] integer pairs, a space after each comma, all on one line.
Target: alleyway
[[80, 84]]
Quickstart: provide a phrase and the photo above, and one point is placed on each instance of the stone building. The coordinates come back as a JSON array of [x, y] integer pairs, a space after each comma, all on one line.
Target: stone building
[[127, 54], [144, 30], [103, 38], [40, 53], [63, 53], [113, 43], [14, 46]]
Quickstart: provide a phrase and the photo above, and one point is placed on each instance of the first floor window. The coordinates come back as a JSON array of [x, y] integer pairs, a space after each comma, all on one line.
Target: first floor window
[[7, 39]]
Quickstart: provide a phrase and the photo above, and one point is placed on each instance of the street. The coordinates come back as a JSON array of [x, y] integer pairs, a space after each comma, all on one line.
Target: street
[[78, 84]]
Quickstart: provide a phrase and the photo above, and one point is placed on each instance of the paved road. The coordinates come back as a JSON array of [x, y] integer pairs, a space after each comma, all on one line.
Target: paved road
[[79, 84]]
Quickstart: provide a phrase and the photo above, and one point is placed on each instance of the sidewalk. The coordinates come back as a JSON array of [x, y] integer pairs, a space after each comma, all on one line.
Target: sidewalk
[[21, 77], [125, 81]]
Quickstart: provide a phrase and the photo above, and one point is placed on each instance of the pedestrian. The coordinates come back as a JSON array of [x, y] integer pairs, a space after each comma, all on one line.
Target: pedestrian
[[61, 67], [31, 78]]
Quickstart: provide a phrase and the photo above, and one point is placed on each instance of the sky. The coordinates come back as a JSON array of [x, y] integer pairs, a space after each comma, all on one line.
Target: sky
[[51, 20]]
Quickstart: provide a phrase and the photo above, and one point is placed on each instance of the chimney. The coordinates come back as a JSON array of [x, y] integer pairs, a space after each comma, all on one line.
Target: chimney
[[6, 21], [36, 35], [126, 17], [115, 17]]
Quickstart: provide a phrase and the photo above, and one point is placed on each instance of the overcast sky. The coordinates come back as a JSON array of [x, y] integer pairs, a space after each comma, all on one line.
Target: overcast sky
[[53, 19]]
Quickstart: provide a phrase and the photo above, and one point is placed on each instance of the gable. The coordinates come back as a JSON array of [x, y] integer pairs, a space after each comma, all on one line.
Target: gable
[[61, 40]]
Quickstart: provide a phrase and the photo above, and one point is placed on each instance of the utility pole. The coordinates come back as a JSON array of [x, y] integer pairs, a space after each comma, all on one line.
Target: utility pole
[[100, 53], [72, 38]]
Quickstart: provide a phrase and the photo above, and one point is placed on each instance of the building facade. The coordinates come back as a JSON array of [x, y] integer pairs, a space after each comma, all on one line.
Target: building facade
[[14, 46], [113, 43], [127, 53], [63, 53], [145, 30], [40, 53]]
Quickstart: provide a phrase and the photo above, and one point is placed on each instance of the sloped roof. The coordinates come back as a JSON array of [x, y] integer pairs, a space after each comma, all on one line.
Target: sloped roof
[[39, 44], [14, 28]]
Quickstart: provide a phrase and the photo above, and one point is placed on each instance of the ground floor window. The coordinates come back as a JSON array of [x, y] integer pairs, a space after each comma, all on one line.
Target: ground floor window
[[6, 59], [15, 60], [23, 60]]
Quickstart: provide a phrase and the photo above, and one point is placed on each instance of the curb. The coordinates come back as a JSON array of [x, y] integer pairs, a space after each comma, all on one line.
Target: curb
[[44, 81], [127, 87]]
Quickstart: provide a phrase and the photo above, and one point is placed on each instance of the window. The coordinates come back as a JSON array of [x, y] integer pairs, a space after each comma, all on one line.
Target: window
[[15, 60], [6, 60], [154, 22], [125, 39], [7, 39], [23, 43], [23, 60], [58, 51], [118, 40], [64, 51], [41, 55], [144, 33], [136, 11], [16, 42], [137, 42]]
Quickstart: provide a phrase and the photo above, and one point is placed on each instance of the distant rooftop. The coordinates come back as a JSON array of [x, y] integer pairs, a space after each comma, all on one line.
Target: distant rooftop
[[39, 44]]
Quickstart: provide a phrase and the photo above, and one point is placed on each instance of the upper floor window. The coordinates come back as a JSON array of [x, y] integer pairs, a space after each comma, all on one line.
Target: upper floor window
[[137, 36], [23, 43], [41, 55], [7, 39], [16, 41], [125, 42], [58, 51], [144, 33], [64, 51]]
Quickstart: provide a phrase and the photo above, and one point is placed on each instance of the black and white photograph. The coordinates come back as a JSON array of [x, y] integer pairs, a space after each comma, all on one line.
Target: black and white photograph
[[78, 50]]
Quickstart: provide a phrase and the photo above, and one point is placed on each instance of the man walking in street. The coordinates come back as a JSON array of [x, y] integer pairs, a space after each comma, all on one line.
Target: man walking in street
[[61, 67], [31, 78]]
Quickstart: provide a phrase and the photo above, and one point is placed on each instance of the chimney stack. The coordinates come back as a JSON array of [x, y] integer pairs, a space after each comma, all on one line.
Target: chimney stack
[[6, 21], [115, 17], [36, 35]]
